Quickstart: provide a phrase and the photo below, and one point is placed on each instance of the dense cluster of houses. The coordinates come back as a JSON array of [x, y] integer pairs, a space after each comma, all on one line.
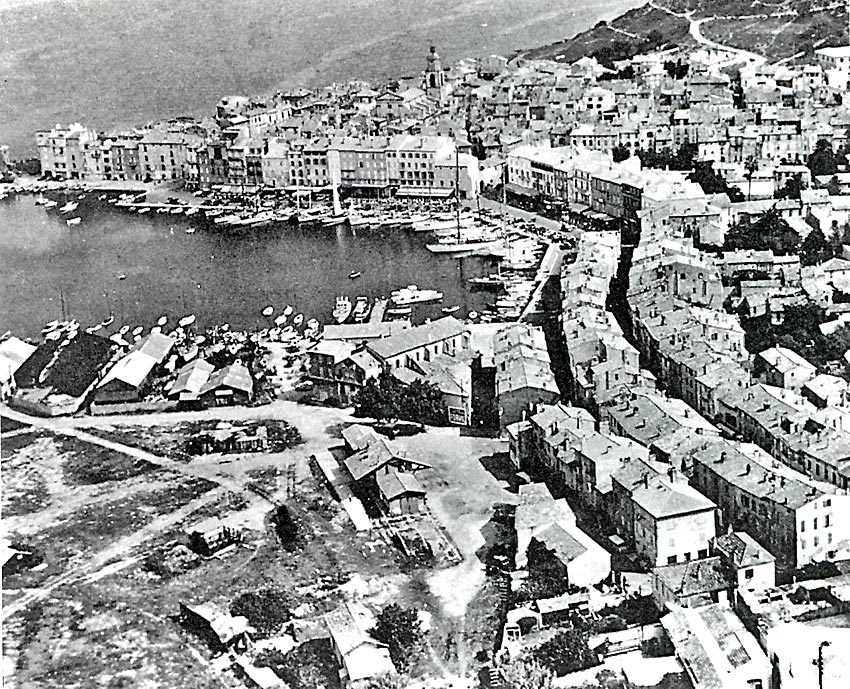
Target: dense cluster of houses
[[79, 370]]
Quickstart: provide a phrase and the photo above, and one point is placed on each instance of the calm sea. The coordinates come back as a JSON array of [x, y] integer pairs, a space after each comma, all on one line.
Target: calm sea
[[218, 275], [111, 63], [117, 63]]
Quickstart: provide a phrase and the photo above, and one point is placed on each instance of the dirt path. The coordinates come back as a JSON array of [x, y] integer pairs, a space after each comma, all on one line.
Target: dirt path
[[312, 422], [93, 568]]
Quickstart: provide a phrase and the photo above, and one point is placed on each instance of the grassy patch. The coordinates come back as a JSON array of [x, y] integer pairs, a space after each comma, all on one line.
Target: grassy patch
[[9, 446], [88, 464], [86, 637], [7, 424], [97, 526]]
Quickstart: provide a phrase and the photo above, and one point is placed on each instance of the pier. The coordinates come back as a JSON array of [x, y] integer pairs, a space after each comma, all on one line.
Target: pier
[[378, 310], [550, 267]]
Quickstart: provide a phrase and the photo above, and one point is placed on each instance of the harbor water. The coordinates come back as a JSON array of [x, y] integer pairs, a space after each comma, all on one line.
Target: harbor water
[[140, 267]]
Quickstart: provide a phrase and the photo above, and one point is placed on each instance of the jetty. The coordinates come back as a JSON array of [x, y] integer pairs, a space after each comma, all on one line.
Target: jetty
[[378, 310]]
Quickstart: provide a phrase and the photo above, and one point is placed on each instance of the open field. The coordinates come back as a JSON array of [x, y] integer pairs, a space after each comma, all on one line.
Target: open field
[[103, 518]]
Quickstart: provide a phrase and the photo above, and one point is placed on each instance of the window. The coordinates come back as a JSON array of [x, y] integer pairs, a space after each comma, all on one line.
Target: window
[[748, 573]]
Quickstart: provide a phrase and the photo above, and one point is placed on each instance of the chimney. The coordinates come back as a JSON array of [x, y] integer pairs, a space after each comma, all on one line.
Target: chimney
[[646, 480], [671, 473], [722, 458], [747, 469]]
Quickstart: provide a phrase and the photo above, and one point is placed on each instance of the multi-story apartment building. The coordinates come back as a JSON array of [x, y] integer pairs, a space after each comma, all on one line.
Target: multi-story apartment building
[[64, 152], [797, 519], [660, 515]]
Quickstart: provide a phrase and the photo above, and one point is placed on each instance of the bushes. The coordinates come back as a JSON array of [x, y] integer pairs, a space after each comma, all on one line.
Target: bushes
[[566, 652], [285, 527], [389, 398], [400, 629], [267, 610]]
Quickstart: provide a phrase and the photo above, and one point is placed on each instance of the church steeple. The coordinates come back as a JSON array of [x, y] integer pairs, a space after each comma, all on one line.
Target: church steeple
[[434, 77]]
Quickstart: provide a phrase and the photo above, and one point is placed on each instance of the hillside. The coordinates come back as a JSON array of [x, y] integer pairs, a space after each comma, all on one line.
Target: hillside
[[778, 29]]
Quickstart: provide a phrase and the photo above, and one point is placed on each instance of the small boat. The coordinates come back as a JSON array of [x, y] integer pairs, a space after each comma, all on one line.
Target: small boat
[[361, 309], [51, 204], [399, 312], [162, 211], [280, 320], [55, 335], [113, 201], [342, 310], [137, 331], [50, 327], [40, 201], [144, 210], [81, 197], [102, 197], [117, 339], [73, 221], [298, 320], [473, 315], [450, 309], [354, 274], [156, 330], [413, 295], [288, 311], [190, 230], [489, 281], [162, 321], [186, 320], [268, 311], [68, 207], [176, 211], [123, 329], [312, 324], [192, 211], [109, 321], [122, 276]]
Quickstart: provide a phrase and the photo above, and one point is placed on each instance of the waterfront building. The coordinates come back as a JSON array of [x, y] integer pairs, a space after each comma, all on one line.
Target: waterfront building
[[64, 151], [60, 375], [421, 343], [128, 379], [13, 353]]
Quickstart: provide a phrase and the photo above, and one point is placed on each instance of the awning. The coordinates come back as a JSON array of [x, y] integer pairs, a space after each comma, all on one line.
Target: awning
[[433, 193], [578, 208], [521, 191]]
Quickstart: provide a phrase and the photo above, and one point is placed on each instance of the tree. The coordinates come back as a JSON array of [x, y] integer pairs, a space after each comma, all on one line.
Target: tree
[[751, 165], [770, 231], [566, 652], [822, 160], [267, 610], [526, 673], [792, 187], [833, 188], [620, 153], [815, 248], [400, 629], [385, 681], [547, 575], [677, 69], [389, 398]]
